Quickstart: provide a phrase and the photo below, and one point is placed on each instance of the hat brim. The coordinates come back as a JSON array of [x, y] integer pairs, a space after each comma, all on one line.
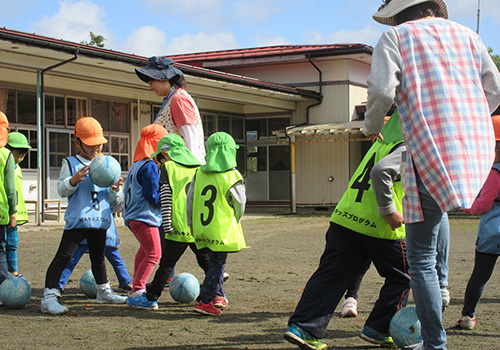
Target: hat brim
[[387, 14], [147, 74], [94, 141]]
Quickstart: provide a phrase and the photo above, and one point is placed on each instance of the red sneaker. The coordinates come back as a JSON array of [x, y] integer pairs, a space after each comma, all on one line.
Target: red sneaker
[[207, 309], [220, 302]]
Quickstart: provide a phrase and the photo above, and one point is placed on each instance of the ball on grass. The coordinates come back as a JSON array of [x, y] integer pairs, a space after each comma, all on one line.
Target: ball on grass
[[15, 292], [405, 327], [184, 288], [87, 284], [104, 171]]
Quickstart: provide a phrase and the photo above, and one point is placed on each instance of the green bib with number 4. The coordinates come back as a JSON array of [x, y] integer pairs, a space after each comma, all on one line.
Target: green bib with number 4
[[214, 224], [357, 209]]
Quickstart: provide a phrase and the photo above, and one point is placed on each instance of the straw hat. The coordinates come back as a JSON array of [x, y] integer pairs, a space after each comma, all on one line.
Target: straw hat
[[390, 8]]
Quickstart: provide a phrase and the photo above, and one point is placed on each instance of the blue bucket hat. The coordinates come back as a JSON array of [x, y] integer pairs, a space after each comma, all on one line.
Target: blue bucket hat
[[158, 68]]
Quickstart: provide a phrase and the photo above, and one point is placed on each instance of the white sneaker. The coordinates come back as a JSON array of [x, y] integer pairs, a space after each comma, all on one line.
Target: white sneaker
[[445, 296], [106, 295], [136, 293], [350, 307], [225, 276], [467, 322], [50, 305], [418, 346]]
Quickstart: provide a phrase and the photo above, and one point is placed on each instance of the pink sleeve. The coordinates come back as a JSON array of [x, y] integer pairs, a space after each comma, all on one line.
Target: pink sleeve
[[183, 111], [491, 188]]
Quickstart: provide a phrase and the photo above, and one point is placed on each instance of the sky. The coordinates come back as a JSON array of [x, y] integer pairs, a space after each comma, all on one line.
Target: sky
[[167, 27]]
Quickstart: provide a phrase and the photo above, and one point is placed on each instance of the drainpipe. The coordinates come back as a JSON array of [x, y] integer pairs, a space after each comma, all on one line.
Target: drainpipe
[[41, 143], [291, 143]]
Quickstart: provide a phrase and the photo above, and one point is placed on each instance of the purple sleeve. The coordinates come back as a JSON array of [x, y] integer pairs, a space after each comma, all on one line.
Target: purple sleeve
[[149, 178], [491, 188]]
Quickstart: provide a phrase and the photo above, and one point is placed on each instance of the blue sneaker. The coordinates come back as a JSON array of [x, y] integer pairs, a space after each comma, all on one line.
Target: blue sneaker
[[141, 302], [375, 337], [303, 339]]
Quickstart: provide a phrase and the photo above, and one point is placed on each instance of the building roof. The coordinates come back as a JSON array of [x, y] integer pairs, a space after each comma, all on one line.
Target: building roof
[[272, 53], [67, 47]]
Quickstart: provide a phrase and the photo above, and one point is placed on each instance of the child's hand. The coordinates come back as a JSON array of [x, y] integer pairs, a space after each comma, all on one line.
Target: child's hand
[[79, 176], [394, 220], [13, 221], [117, 184]]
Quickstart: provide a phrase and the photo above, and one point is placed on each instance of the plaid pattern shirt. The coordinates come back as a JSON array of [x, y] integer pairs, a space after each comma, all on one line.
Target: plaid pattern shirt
[[445, 115]]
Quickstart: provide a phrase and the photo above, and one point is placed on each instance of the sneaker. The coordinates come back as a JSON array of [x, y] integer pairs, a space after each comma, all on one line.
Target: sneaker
[[225, 276], [106, 295], [124, 289], [445, 296], [220, 302], [207, 309], [350, 308], [467, 322], [418, 346], [50, 305], [375, 337], [133, 294], [141, 302], [303, 339]]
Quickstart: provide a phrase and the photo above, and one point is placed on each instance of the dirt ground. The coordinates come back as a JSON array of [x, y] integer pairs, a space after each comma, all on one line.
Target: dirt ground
[[265, 284]]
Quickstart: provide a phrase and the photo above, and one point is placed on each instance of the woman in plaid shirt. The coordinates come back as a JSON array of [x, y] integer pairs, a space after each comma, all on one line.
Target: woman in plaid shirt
[[445, 86]]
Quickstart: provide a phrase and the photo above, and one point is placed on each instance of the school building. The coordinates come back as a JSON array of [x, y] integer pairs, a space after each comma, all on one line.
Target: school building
[[296, 111]]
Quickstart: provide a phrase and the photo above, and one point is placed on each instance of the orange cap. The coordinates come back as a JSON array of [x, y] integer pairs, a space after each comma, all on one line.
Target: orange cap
[[89, 131], [496, 126], [150, 136], [4, 129]]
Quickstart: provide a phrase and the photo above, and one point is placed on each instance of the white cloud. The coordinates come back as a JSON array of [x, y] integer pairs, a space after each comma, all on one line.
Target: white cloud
[[146, 41], [202, 42], [74, 21], [256, 11], [265, 38], [152, 41], [368, 35]]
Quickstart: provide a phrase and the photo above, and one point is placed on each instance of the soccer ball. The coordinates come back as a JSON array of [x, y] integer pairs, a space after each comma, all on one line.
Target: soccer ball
[[87, 284], [184, 288], [15, 292], [105, 171], [405, 327]]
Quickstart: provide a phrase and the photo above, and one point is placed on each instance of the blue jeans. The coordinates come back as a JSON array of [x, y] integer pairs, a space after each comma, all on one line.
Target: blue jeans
[[443, 249], [12, 239], [113, 257], [424, 240]]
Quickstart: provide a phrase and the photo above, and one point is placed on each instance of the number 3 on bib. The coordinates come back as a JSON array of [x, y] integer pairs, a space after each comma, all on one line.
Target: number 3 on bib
[[209, 204]]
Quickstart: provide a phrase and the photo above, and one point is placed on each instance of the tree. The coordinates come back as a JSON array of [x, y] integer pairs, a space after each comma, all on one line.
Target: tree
[[496, 58], [95, 40]]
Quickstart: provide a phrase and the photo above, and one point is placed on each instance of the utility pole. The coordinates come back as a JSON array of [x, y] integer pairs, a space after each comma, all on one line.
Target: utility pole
[[478, 13]]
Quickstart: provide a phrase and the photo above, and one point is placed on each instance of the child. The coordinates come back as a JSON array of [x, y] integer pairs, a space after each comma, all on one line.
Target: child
[[142, 211], [366, 225], [488, 236], [112, 254], [215, 206], [8, 197], [19, 146], [88, 215], [175, 174]]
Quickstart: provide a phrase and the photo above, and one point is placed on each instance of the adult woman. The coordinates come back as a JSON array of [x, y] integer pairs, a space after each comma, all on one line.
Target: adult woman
[[179, 113]]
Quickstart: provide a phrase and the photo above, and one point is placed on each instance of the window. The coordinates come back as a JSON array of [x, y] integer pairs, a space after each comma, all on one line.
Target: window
[[26, 107], [233, 125], [76, 108], [262, 128], [54, 110], [113, 116], [118, 148]]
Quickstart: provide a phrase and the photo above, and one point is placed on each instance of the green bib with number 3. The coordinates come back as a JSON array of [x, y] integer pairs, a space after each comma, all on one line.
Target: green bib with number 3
[[357, 209], [214, 224]]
